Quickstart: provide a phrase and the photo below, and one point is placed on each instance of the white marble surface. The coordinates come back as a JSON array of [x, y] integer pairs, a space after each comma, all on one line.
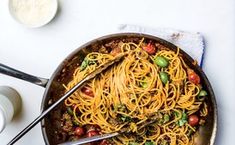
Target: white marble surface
[[39, 51]]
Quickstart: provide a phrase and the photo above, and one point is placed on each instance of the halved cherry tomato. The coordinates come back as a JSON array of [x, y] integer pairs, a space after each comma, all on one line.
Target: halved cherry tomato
[[79, 131], [193, 77], [193, 120], [150, 48], [104, 142], [92, 133], [87, 90]]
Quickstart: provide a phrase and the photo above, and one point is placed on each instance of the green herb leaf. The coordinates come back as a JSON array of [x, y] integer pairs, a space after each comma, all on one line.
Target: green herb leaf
[[160, 118], [133, 143], [125, 118], [70, 111], [183, 120], [120, 107], [161, 121], [144, 83], [75, 122], [149, 143], [190, 132], [91, 62], [184, 116], [176, 114], [84, 64], [164, 142], [166, 118]]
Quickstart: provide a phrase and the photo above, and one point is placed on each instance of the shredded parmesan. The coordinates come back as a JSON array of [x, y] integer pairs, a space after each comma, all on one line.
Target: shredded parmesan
[[32, 12]]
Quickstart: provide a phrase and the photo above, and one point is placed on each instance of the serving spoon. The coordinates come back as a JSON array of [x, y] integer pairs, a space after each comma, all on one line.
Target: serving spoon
[[79, 84]]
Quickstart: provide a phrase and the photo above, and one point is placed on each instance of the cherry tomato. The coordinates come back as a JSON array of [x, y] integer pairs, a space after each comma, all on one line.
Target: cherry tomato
[[87, 90], [79, 131], [104, 142], [193, 120], [193, 77], [92, 133], [150, 48]]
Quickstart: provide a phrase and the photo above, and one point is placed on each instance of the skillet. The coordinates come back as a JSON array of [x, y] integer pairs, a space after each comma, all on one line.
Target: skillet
[[63, 74]]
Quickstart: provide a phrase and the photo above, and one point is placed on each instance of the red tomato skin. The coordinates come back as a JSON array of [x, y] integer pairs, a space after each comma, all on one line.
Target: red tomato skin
[[150, 48], [104, 142], [79, 131], [193, 77], [87, 90], [92, 133], [193, 120]]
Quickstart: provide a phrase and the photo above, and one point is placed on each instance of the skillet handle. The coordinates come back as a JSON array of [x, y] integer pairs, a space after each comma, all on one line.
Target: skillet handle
[[23, 76]]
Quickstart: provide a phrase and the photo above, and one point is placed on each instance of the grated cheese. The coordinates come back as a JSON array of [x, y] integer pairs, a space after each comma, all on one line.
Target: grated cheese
[[32, 12]]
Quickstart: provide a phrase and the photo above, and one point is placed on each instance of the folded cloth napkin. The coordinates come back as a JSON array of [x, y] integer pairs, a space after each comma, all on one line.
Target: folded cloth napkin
[[192, 43]]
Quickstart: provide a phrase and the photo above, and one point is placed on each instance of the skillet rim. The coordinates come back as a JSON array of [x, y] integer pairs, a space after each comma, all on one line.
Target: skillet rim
[[126, 35]]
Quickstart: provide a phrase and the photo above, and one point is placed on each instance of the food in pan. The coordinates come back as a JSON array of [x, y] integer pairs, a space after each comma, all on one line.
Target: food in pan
[[152, 84]]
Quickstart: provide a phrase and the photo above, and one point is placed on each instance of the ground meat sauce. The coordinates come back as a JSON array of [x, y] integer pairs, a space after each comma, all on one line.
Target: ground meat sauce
[[61, 119]]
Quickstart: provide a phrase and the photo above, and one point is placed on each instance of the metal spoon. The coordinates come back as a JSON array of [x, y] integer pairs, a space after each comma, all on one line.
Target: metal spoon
[[104, 136], [79, 84]]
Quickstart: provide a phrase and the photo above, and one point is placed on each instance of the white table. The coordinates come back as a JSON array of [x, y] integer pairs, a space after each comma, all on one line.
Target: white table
[[39, 51]]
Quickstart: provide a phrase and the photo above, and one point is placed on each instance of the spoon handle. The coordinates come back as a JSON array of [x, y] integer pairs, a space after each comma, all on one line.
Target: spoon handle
[[71, 91], [91, 139], [23, 76]]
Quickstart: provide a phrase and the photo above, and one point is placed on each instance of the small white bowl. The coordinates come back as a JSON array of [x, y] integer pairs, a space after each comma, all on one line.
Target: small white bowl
[[33, 13]]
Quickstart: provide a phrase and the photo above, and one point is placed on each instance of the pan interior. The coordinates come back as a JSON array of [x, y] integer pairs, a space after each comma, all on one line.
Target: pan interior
[[64, 72]]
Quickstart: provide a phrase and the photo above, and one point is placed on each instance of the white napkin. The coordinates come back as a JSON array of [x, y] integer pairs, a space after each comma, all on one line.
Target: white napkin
[[191, 42]]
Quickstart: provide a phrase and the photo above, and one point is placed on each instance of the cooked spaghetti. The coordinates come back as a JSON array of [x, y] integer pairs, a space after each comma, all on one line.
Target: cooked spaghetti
[[152, 96]]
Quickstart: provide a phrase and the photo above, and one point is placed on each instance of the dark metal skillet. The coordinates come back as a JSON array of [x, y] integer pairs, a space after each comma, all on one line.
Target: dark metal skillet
[[63, 73]]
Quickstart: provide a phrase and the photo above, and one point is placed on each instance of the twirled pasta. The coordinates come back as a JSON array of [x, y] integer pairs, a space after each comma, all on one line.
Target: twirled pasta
[[132, 89]]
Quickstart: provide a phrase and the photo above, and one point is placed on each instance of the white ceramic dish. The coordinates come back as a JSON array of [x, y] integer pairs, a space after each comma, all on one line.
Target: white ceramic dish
[[10, 105], [33, 13]]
